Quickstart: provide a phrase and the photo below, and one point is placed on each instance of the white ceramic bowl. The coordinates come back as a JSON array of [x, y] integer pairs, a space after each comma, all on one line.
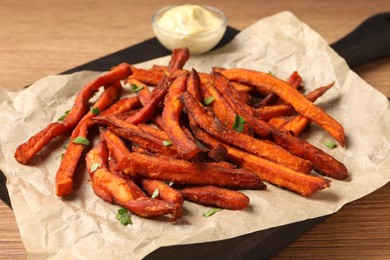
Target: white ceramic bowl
[[197, 43]]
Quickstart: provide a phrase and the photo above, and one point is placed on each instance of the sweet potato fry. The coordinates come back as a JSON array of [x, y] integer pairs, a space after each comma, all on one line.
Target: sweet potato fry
[[218, 153], [143, 93], [193, 85], [185, 172], [299, 123], [153, 130], [269, 112], [219, 105], [178, 58], [261, 148], [291, 96], [240, 107], [274, 173], [294, 81], [244, 88], [295, 125], [118, 151], [216, 197], [123, 105], [155, 97], [279, 121], [115, 189], [148, 77], [69, 162], [116, 146], [323, 163], [27, 150], [165, 192], [186, 147], [136, 135]]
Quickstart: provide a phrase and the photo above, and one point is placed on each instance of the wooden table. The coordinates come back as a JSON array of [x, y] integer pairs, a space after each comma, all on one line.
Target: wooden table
[[43, 37]]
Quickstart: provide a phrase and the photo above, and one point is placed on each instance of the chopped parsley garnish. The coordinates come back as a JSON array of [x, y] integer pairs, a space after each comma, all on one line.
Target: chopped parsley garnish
[[124, 217], [238, 124], [207, 101], [81, 140], [211, 212], [136, 88], [167, 142], [330, 144], [95, 110], [64, 115], [95, 166], [156, 192]]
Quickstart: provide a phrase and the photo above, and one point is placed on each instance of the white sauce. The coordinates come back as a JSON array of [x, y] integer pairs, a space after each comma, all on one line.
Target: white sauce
[[189, 19], [188, 26]]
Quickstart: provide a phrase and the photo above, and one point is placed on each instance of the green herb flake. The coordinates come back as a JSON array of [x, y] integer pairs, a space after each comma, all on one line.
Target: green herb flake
[[81, 140], [156, 192], [95, 166], [124, 217], [65, 146], [270, 73], [167, 142], [136, 88], [238, 124], [64, 115], [211, 212], [95, 110], [207, 101], [330, 144]]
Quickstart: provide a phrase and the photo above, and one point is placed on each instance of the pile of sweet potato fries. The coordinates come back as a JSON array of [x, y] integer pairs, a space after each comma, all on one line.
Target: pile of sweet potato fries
[[195, 136]]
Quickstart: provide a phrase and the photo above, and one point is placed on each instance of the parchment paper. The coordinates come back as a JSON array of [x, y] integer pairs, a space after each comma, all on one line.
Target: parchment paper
[[84, 226]]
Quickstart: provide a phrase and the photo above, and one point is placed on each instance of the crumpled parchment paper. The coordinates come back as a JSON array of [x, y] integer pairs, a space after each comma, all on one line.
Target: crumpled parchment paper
[[84, 226]]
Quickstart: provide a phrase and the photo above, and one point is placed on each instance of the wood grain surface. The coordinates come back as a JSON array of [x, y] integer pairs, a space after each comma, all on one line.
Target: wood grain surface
[[43, 37]]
